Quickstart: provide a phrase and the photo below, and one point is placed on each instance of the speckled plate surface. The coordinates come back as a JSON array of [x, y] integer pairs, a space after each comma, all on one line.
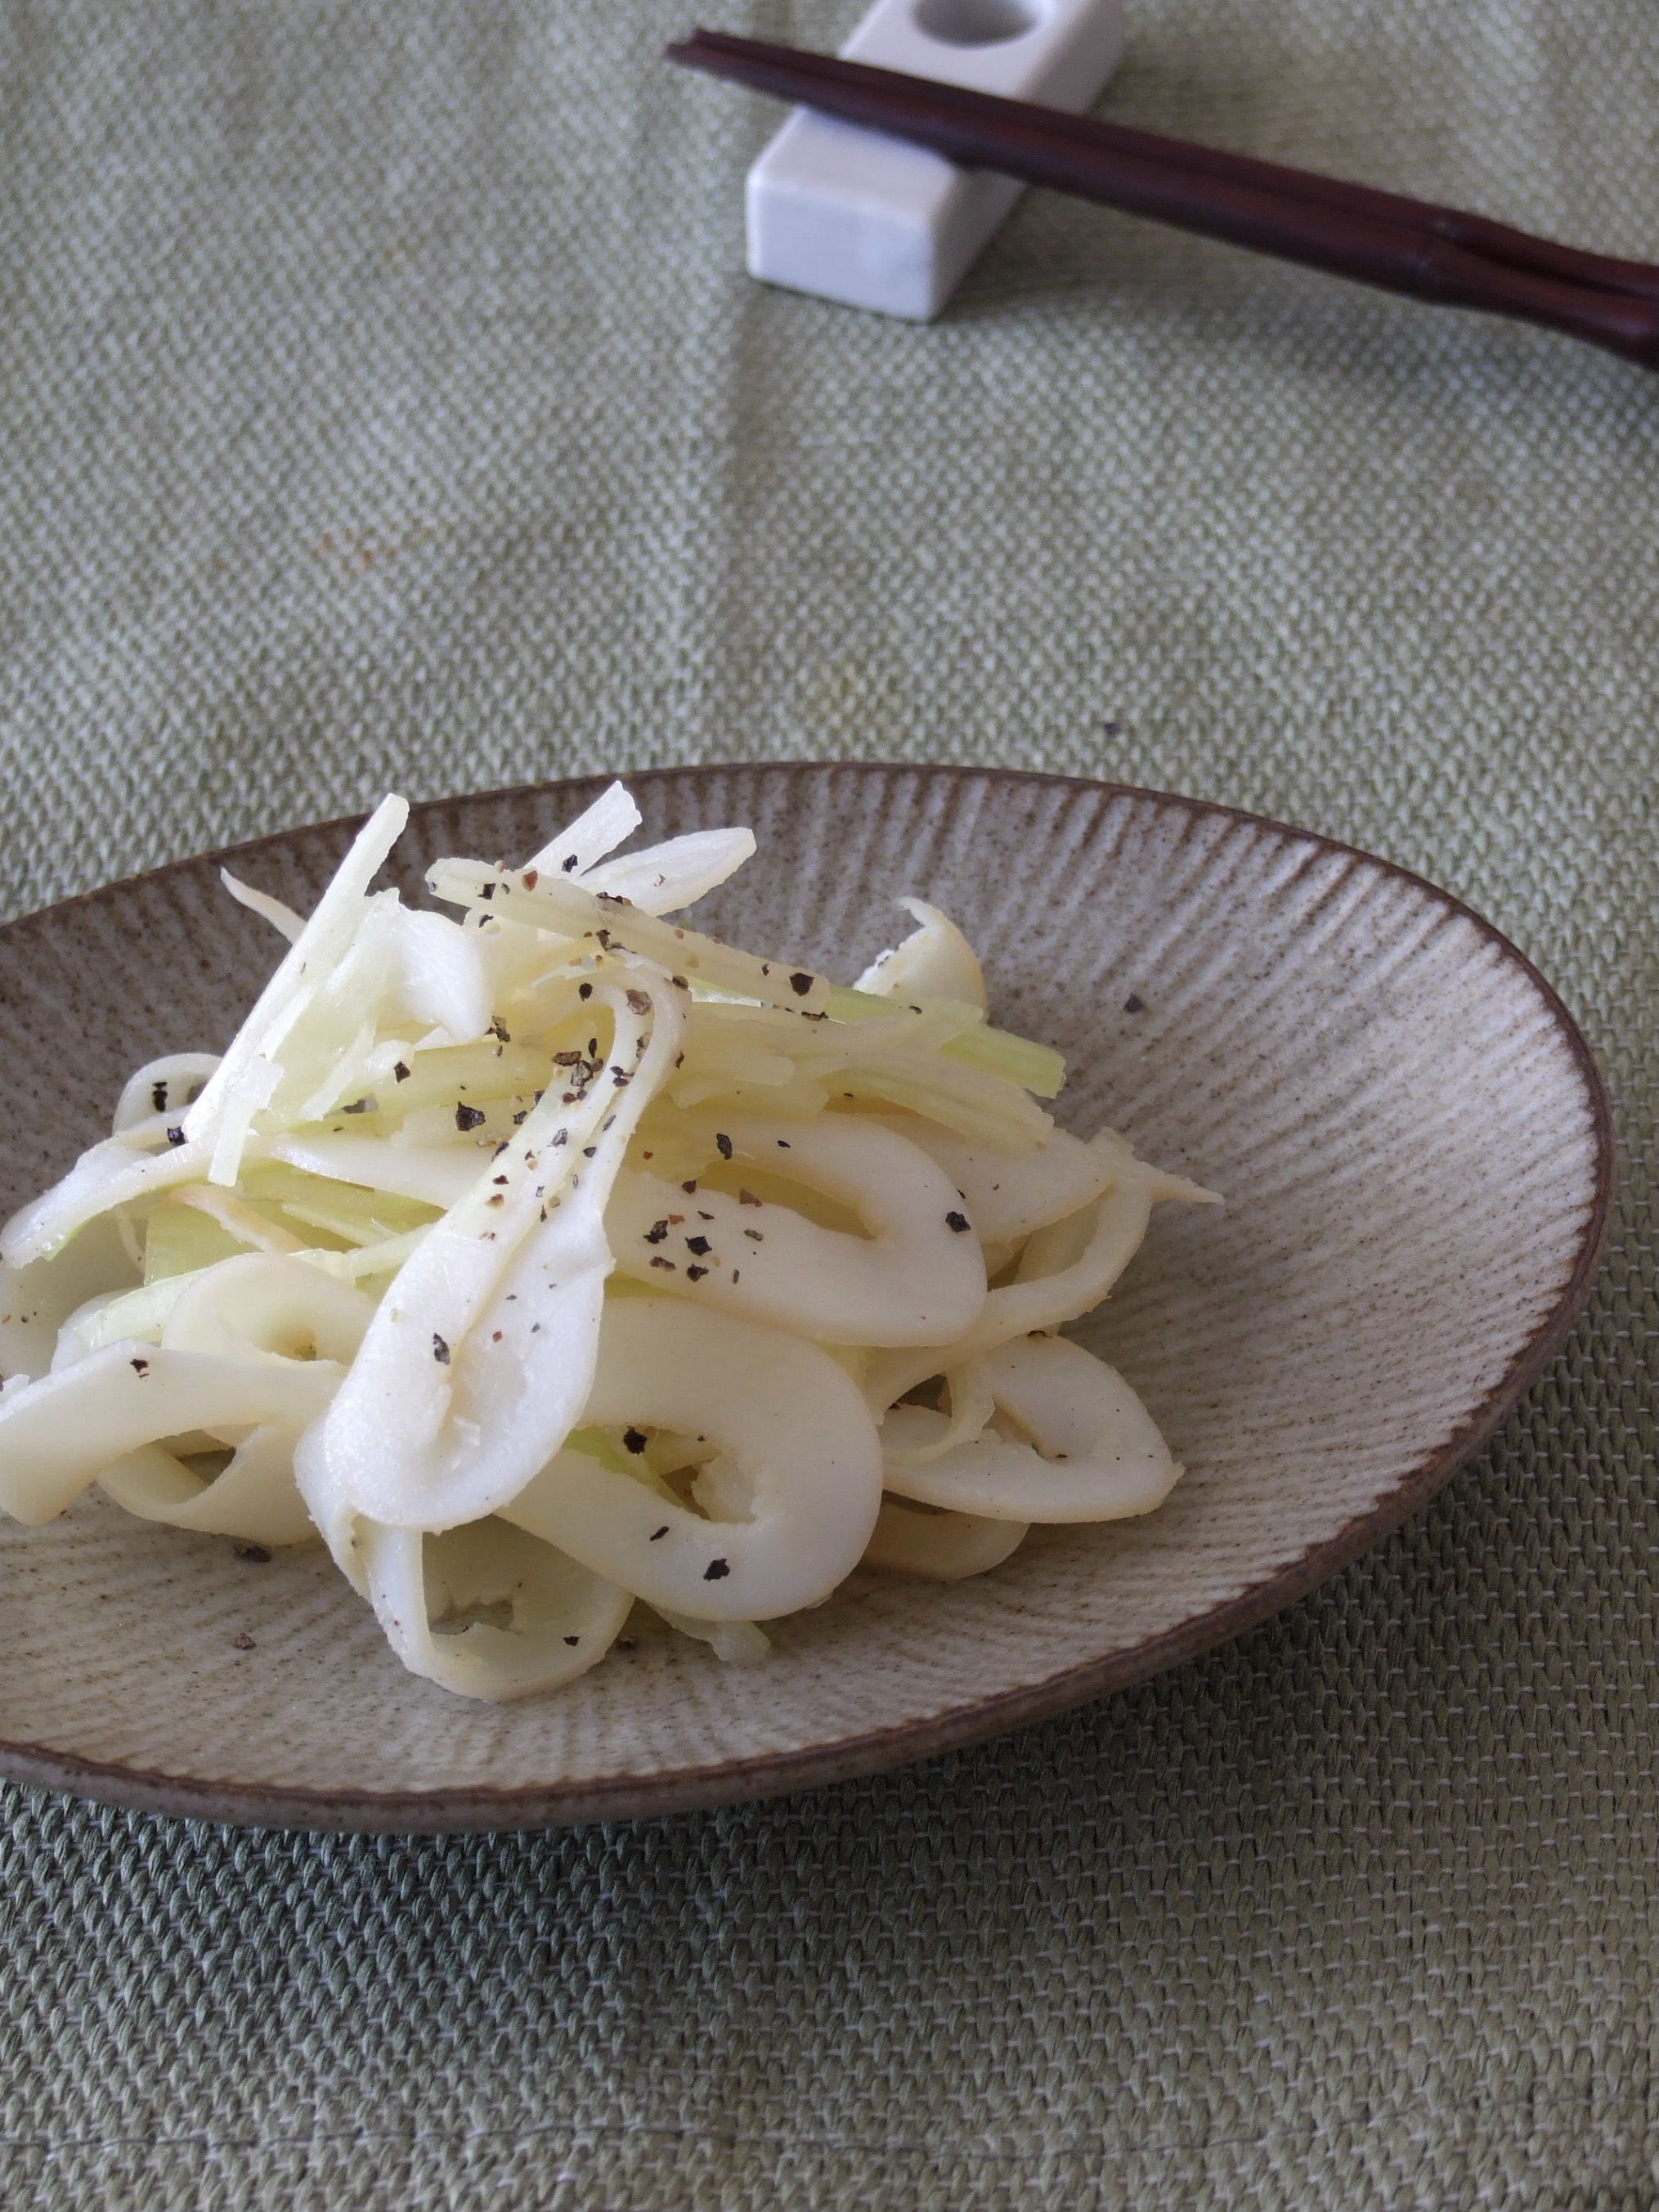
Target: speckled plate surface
[[1410, 1134]]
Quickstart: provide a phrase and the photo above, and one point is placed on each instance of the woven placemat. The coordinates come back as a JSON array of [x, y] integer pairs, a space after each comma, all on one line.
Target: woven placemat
[[386, 404]]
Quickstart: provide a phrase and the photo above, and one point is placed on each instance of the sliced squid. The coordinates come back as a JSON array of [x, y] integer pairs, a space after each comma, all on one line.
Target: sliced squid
[[59, 1434], [36, 1301], [162, 1090], [254, 1497], [1094, 1452], [1108, 1233], [941, 1548], [786, 1414], [477, 1363], [269, 1306], [487, 1611], [404, 1266], [1009, 1197], [916, 1277]]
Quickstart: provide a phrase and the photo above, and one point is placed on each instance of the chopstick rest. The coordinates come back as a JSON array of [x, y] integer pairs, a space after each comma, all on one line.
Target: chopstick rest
[[859, 217]]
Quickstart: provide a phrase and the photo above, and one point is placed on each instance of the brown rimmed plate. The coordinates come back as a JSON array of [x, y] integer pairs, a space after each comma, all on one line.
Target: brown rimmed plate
[[1411, 1133]]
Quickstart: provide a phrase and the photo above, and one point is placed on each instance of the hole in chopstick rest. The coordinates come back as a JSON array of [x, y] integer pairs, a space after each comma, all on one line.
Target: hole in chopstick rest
[[975, 22]]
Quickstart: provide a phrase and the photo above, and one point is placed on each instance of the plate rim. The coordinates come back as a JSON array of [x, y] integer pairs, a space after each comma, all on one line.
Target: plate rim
[[449, 1809]]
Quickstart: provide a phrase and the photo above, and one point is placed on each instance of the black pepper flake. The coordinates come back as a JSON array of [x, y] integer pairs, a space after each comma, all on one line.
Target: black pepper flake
[[736, 1275], [679, 982], [244, 1641], [498, 1178], [660, 1263], [584, 990], [656, 1232], [657, 1535], [800, 983], [139, 1366], [603, 938], [748, 1198], [716, 1571], [175, 1136], [592, 1046], [956, 1221], [588, 1150], [495, 1336], [619, 1078], [498, 1028], [569, 864], [158, 1095], [722, 1145], [635, 1439], [689, 1186], [468, 1117], [256, 1554], [697, 1244], [573, 1639], [399, 1072], [696, 1274], [784, 1145], [755, 1236], [523, 1115], [640, 1001], [701, 1216], [1134, 1004], [439, 1350], [360, 1106], [567, 1059], [487, 890], [559, 1137]]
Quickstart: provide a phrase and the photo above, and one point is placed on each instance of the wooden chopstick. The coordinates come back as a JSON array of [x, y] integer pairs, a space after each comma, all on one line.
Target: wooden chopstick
[[1433, 253]]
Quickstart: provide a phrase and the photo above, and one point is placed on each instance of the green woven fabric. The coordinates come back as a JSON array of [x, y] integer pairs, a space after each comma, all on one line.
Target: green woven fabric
[[384, 404]]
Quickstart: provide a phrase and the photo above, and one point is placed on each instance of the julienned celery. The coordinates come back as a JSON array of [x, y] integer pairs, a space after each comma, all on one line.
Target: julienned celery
[[1035, 1067]]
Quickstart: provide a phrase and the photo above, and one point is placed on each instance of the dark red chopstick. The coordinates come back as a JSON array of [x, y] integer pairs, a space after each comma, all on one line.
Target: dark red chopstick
[[1438, 254]]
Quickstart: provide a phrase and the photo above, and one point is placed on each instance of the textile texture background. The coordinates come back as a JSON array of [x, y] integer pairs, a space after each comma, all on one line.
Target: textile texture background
[[384, 404]]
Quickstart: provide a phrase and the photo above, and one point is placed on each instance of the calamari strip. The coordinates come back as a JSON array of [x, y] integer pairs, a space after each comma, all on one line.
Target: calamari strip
[[789, 1417], [941, 1548], [434, 1596], [917, 1277], [1094, 1453], [476, 1364]]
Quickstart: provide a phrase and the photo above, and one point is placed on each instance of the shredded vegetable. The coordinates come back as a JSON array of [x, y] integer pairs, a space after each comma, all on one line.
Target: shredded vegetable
[[548, 1257]]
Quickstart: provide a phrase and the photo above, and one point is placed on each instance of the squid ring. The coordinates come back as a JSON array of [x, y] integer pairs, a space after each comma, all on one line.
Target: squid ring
[[791, 1419], [917, 1277], [1094, 1455]]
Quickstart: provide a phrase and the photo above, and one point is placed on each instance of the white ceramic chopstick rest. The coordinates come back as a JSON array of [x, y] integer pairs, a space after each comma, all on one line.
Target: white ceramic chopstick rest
[[864, 219]]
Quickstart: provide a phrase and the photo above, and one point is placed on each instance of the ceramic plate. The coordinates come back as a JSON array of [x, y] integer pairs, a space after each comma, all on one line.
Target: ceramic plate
[[1410, 1133]]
